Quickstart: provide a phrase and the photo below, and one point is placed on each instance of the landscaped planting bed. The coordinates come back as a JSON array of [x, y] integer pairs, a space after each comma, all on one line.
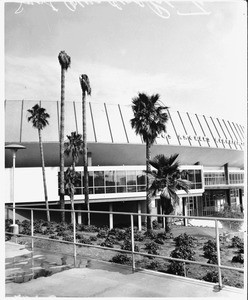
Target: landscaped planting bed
[[191, 243]]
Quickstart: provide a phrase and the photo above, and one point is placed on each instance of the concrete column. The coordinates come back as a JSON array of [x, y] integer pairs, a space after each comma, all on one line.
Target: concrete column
[[79, 215], [185, 222], [241, 200], [139, 217], [111, 221], [228, 197], [226, 173]]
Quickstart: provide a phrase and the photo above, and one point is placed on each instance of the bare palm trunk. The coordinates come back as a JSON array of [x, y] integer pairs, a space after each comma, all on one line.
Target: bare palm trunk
[[148, 197], [61, 140], [85, 159], [44, 174]]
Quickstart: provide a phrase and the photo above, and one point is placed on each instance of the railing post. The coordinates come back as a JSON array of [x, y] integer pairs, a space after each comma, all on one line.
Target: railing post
[[32, 229], [132, 242], [74, 239], [218, 252]]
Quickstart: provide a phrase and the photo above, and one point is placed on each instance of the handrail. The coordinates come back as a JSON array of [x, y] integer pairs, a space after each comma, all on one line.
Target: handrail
[[219, 266]]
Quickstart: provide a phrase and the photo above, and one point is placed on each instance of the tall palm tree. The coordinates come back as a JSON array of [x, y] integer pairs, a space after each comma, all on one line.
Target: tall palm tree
[[65, 62], [166, 179], [38, 117], [86, 88], [149, 122], [71, 179]]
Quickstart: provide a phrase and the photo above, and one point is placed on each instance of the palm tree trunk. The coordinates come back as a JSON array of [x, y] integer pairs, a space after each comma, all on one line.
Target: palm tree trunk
[[44, 174], [85, 159], [61, 140], [148, 197], [72, 207]]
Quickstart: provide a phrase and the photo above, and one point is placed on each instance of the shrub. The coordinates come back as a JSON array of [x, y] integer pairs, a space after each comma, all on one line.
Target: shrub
[[89, 228], [176, 268], [119, 234], [93, 238], [128, 246], [122, 259], [107, 243], [61, 227], [138, 237], [159, 241], [237, 242], [154, 265], [152, 248], [102, 234], [25, 227], [156, 225], [162, 235], [213, 259], [184, 239], [212, 276], [184, 252], [48, 231], [42, 273], [8, 223], [68, 238], [238, 259], [84, 240], [209, 248], [150, 234]]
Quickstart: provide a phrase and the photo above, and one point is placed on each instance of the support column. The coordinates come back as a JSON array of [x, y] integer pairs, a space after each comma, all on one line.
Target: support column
[[139, 216], [228, 198], [111, 221], [226, 173], [79, 216], [241, 200], [185, 221]]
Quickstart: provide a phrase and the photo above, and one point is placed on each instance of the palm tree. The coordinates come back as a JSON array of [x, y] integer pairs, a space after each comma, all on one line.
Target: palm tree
[[85, 86], [166, 178], [148, 122], [71, 178], [74, 147], [65, 62], [39, 120]]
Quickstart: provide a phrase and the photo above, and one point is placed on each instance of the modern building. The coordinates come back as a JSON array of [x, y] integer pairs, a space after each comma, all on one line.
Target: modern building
[[210, 149]]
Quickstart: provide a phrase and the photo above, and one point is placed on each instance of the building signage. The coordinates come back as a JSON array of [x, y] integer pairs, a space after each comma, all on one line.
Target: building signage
[[207, 139]]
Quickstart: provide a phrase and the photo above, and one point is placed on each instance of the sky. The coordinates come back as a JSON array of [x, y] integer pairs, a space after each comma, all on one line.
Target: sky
[[191, 53]]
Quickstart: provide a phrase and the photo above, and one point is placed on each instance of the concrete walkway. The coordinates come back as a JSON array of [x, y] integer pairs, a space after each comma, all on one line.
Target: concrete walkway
[[100, 279]]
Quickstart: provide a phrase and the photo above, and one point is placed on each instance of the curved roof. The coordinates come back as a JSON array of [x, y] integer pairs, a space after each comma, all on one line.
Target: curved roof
[[110, 124]]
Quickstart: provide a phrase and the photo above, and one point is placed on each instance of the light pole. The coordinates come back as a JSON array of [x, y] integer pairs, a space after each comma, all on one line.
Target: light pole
[[14, 148]]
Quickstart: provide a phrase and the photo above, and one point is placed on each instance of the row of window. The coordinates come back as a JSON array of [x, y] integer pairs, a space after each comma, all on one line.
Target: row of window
[[216, 178], [126, 181], [236, 178]]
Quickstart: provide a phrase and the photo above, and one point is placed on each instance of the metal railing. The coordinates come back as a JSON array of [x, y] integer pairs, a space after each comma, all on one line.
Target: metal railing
[[219, 266]]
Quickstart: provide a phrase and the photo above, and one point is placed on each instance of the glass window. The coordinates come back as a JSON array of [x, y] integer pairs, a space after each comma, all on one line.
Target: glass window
[[131, 177], [121, 177], [98, 178], [141, 178]]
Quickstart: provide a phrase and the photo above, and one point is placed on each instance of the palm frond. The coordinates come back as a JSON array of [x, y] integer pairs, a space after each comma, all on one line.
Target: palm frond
[[64, 60], [85, 84]]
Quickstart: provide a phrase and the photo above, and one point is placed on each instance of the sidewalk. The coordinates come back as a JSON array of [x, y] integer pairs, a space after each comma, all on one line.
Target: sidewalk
[[101, 279]]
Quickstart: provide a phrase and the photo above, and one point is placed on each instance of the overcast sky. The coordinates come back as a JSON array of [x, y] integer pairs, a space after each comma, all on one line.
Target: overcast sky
[[193, 56]]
